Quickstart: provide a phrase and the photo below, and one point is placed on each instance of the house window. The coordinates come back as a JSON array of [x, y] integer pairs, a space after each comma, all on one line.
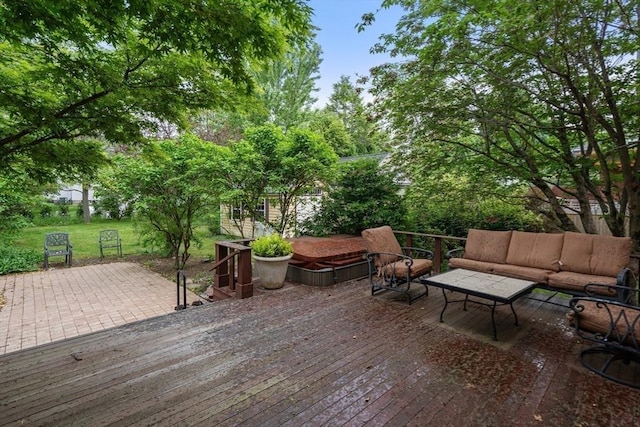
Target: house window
[[261, 209], [236, 212]]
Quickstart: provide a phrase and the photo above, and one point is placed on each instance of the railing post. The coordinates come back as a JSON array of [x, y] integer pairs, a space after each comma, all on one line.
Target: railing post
[[244, 288], [221, 276], [437, 254]]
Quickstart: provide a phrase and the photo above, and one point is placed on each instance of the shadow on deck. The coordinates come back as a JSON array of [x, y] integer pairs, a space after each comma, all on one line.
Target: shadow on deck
[[308, 356]]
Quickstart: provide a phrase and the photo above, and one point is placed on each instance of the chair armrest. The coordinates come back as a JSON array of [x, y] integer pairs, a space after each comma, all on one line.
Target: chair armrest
[[454, 253], [624, 294], [421, 252]]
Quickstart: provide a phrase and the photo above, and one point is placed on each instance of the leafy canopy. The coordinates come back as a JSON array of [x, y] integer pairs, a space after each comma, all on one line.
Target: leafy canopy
[[118, 69]]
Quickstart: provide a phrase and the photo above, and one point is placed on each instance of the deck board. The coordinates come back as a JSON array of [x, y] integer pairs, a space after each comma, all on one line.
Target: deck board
[[311, 356]]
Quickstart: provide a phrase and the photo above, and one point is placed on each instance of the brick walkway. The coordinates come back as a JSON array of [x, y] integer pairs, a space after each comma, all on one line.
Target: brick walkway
[[61, 303]]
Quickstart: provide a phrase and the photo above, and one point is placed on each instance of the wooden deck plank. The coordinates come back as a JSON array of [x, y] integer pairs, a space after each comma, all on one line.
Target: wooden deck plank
[[290, 358]]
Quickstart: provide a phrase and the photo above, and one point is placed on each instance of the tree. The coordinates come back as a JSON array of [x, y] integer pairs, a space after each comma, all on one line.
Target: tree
[[544, 92], [285, 87], [329, 125], [346, 101], [119, 69], [171, 184], [268, 162], [306, 162]]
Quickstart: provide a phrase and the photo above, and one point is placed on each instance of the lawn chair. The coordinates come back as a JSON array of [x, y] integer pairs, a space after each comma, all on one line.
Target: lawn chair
[[109, 239], [57, 244], [392, 267]]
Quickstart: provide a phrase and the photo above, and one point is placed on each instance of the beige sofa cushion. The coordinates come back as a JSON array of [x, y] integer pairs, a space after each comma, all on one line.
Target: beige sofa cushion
[[487, 246], [382, 239], [525, 273], [470, 264], [577, 281], [592, 254], [537, 250]]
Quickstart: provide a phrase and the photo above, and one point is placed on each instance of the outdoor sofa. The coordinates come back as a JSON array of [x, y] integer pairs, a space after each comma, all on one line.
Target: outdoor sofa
[[563, 262]]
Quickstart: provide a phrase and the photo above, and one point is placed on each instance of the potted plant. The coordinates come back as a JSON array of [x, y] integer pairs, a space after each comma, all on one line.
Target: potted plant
[[271, 255]]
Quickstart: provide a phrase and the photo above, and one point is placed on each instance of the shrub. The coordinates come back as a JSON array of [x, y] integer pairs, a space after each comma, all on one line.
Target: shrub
[[364, 196], [14, 260], [272, 245]]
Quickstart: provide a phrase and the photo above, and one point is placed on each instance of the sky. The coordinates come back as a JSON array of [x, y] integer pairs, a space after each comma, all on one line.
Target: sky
[[345, 51]]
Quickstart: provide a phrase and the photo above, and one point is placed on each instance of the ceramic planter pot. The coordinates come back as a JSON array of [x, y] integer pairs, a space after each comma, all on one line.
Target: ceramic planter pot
[[271, 270]]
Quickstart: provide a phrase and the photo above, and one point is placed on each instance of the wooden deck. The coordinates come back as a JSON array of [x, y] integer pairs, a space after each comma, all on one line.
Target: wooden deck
[[315, 356]]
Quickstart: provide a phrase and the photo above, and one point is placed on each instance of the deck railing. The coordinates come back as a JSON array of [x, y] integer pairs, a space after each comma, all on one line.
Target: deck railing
[[232, 277], [439, 248]]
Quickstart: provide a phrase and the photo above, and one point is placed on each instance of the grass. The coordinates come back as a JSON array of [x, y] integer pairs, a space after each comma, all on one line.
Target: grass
[[84, 238]]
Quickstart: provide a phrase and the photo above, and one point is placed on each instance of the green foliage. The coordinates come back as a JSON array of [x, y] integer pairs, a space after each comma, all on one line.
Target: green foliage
[[172, 184], [18, 199], [448, 204], [119, 70], [270, 162], [272, 245], [346, 102], [364, 196], [543, 93], [285, 87], [15, 260], [333, 131]]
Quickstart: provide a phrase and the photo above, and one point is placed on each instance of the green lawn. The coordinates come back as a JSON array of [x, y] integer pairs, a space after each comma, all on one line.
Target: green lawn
[[84, 238]]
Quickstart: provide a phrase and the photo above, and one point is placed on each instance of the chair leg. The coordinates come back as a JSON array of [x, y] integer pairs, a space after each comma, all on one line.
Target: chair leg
[[46, 261]]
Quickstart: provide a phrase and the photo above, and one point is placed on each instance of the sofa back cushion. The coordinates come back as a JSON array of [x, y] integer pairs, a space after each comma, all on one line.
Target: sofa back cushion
[[538, 250], [593, 254], [382, 239], [487, 246]]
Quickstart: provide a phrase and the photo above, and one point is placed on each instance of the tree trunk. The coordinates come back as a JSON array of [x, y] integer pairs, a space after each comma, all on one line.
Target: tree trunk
[[86, 213]]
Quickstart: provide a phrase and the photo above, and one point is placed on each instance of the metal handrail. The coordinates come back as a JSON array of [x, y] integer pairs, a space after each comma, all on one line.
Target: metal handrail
[[183, 276]]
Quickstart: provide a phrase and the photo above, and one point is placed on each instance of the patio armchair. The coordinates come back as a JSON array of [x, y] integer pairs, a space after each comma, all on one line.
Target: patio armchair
[[614, 328], [57, 244], [110, 239], [392, 267]]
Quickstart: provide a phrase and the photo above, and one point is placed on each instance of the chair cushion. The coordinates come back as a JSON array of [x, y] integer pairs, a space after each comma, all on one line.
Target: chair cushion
[[537, 250], [592, 254], [525, 273], [420, 267], [382, 239], [597, 318], [487, 246], [470, 264], [577, 281]]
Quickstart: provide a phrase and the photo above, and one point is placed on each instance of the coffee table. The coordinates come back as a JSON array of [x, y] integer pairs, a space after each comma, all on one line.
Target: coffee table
[[499, 290]]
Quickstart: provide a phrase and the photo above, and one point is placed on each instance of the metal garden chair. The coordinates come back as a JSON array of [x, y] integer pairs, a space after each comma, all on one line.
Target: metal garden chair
[[110, 239], [57, 244]]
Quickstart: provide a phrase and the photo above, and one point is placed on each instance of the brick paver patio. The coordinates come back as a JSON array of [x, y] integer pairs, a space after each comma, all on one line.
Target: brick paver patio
[[60, 303]]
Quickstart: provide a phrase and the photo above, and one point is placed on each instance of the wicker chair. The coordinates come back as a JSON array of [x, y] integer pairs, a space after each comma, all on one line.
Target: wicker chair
[[392, 267]]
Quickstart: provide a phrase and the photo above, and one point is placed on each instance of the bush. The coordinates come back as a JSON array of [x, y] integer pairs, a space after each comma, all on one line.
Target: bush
[[364, 196], [272, 245], [14, 260]]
